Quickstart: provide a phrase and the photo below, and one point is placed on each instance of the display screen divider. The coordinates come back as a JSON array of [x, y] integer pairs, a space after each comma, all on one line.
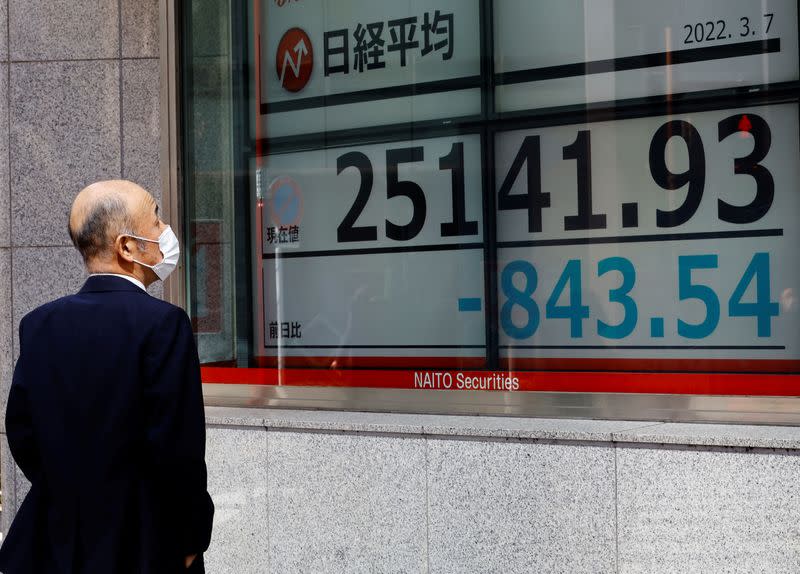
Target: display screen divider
[[489, 212], [490, 252], [648, 107], [652, 106], [372, 135]]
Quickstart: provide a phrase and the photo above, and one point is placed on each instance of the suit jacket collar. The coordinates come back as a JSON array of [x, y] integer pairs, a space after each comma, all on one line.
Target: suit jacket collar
[[105, 283]]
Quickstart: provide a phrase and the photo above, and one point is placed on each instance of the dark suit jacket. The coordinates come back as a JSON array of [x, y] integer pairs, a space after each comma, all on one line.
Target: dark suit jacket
[[105, 418]]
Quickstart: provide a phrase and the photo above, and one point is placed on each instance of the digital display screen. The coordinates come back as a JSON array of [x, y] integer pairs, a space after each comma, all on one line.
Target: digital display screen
[[519, 233]]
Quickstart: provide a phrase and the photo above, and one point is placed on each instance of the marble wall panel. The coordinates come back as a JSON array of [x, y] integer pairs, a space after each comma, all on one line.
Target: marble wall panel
[[237, 482], [346, 503], [140, 28], [65, 134], [5, 194], [508, 506], [63, 29], [711, 511], [140, 124]]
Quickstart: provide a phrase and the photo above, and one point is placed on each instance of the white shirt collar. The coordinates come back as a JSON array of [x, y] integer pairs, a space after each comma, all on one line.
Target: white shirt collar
[[133, 280]]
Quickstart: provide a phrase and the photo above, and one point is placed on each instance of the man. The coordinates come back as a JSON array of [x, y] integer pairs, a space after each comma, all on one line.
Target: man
[[105, 414]]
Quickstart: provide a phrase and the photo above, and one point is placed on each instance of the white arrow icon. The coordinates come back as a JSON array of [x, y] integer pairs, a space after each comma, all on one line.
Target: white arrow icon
[[301, 50]]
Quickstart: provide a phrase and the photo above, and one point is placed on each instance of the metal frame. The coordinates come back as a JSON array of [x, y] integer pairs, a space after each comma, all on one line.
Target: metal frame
[[607, 406], [175, 285], [686, 408]]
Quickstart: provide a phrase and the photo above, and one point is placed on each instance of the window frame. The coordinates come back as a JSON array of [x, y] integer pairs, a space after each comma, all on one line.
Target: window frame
[[777, 410]]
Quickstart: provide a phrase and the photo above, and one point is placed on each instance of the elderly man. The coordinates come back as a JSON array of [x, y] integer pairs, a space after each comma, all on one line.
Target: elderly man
[[105, 415]]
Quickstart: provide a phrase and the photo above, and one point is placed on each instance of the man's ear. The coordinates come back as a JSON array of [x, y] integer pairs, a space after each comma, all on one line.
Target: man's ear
[[124, 246]]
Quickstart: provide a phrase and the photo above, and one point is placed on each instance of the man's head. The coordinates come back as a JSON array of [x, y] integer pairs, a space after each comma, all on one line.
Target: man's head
[[104, 218]]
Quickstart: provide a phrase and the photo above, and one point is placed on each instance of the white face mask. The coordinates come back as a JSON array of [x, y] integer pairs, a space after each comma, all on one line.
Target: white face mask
[[168, 244]]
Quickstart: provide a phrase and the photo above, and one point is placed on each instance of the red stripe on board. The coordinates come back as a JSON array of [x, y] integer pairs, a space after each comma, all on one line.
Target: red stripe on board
[[576, 382], [767, 366], [776, 366]]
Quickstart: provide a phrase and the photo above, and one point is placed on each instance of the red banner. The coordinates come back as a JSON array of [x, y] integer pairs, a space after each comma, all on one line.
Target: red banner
[[501, 381]]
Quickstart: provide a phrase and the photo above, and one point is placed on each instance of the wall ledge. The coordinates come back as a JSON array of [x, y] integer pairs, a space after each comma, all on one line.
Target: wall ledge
[[568, 430]]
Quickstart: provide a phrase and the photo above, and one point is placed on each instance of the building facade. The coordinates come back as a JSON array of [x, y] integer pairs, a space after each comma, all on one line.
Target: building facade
[[478, 286]]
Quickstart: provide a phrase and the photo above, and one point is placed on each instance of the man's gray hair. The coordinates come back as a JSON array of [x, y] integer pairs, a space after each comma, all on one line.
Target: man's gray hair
[[107, 219]]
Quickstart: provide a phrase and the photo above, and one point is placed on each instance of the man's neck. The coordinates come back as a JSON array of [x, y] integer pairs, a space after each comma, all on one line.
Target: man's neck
[[133, 280], [100, 269]]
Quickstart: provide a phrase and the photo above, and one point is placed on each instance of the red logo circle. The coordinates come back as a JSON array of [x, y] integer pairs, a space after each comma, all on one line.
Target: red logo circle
[[294, 60]]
